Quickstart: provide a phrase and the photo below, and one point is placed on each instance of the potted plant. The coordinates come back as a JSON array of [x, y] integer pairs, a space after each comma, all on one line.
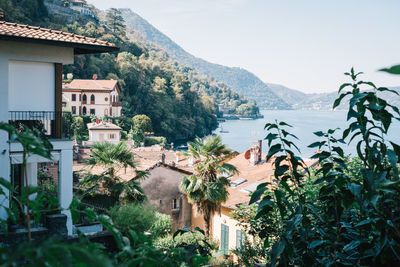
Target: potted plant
[[13, 218]]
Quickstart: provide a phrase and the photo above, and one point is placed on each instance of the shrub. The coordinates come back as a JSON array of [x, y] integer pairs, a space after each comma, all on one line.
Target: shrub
[[189, 238], [162, 225], [155, 140], [137, 217]]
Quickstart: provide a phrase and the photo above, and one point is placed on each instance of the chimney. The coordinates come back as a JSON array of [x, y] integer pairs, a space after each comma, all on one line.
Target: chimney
[[163, 158], [94, 76], [256, 153], [1, 14]]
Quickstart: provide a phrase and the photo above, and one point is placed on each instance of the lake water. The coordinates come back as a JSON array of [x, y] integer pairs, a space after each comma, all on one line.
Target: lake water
[[244, 133]]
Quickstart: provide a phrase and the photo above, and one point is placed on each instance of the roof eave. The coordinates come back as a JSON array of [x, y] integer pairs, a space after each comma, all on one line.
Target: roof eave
[[79, 49]]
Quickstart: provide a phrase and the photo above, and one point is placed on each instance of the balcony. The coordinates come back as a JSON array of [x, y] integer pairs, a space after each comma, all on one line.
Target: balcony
[[50, 123], [116, 104]]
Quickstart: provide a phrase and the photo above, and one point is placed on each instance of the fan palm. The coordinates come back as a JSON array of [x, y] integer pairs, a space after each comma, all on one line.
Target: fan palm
[[208, 187], [113, 158]]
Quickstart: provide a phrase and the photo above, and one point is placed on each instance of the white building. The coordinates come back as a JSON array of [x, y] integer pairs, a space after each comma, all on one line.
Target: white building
[[92, 97], [31, 60], [82, 7], [103, 131]]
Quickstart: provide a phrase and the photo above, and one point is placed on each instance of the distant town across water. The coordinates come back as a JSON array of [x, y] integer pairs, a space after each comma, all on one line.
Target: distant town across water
[[241, 134]]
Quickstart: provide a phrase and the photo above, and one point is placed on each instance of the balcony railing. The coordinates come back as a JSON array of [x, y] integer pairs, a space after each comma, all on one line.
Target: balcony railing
[[116, 104], [50, 123]]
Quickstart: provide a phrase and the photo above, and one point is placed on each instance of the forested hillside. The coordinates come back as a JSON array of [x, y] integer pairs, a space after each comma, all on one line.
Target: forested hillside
[[181, 103], [238, 79]]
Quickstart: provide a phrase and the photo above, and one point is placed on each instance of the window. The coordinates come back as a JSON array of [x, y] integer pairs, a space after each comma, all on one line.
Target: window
[[240, 239], [84, 111], [224, 246], [106, 99], [112, 136], [92, 99], [176, 205], [73, 97], [73, 109], [84, 99], [92, 111]]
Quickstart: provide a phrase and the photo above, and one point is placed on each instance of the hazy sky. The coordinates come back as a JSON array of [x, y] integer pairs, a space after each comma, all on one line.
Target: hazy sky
[[305, 45]]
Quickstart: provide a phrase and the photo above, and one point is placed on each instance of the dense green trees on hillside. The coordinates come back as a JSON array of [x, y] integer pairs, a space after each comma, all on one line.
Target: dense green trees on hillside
[[24, 11], [181, 103], [151, 85]]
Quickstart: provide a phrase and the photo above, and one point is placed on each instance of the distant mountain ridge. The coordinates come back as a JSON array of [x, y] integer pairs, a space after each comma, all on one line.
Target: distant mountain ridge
[[241, 80], [320, 101]]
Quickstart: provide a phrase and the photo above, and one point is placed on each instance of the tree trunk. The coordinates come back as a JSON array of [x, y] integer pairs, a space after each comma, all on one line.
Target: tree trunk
[[207, 222]]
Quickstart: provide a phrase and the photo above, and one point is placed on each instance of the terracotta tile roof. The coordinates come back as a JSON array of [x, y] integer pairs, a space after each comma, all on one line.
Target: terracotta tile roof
[[254, 175], [82, 44], [103, 126], [80, 84]]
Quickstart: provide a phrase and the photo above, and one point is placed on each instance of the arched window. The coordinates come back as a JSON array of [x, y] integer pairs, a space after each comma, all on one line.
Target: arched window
[[92, 99], [84, 99], [84, 111]]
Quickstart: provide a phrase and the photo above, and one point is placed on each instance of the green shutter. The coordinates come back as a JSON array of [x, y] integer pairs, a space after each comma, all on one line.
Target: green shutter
[[240, 238], [224, 239]]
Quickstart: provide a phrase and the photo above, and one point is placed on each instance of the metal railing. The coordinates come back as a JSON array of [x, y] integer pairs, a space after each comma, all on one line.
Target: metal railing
[[116, 104], [50, 123]]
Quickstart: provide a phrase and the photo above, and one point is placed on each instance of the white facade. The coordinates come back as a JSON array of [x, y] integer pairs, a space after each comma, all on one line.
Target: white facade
[[103, 132], [39, 94], [105, 136], [82, 7], [101, 103], [22, 68]]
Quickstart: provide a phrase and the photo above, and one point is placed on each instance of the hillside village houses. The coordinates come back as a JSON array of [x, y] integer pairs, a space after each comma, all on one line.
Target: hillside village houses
[[92, 97], [31, 60]]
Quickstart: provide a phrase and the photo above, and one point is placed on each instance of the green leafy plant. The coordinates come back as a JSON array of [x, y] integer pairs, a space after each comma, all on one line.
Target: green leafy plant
[[33, 143], [349, 216]]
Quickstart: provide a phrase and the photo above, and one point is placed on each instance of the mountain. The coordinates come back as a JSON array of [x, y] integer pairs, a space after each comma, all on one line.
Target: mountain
[[291, 96], [241, 80], [300, 100], [321, 101]]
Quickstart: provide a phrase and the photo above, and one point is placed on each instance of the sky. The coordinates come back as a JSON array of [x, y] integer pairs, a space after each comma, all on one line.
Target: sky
[[305, 45]]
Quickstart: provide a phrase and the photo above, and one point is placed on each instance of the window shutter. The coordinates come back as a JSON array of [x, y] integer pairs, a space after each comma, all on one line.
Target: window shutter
[[224, 239], [238, 239]]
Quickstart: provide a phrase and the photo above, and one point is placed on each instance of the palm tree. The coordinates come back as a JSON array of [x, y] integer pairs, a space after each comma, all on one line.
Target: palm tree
[[208, 187], [113, 158]]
